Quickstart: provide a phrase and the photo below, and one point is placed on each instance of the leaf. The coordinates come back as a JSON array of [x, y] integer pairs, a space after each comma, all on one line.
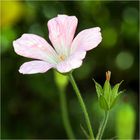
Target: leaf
[[99, 89]]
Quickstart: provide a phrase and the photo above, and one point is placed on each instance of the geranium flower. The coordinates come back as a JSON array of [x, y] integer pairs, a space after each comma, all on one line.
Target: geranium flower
[[67, 52]]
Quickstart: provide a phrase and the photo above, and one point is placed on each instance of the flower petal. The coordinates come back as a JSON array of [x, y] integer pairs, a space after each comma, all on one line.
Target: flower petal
[[87, 39], [35, 66], [61, 32], [34, 46], [73, 62], [67, 66], [79, 55]]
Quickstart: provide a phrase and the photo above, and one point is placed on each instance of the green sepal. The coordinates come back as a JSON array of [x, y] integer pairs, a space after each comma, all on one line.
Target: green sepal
[[116, 98], [103, 103], [107, 91], [61, 80], [114, 93], [99, 89], [114, 101], [121, 91], [116, 88]]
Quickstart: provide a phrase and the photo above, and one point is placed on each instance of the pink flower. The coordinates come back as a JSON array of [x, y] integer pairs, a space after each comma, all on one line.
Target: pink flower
[[67, 52]]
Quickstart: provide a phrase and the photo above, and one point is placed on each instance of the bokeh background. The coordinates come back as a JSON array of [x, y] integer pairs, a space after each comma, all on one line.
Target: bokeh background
[[30, 105]]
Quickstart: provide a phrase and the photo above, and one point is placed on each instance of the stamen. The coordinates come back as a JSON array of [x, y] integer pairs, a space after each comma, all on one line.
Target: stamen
[[62, 57]]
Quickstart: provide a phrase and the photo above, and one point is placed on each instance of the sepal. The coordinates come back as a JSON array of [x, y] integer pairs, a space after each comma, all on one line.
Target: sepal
[[103, 103], [99, 89]]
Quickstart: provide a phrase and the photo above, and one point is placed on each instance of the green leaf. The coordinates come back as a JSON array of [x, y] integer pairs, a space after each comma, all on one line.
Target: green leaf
[[103, 103], [99, 89]]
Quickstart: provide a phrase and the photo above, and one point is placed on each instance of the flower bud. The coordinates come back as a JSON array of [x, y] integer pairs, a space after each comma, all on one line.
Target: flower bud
[[108, 75], [107, 96]]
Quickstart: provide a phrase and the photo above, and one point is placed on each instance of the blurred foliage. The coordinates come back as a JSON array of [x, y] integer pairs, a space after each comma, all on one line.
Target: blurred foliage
[[125, 124], [30, 103]]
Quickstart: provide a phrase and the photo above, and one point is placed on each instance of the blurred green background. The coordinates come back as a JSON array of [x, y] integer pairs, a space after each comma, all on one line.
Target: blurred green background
[[30, 106]]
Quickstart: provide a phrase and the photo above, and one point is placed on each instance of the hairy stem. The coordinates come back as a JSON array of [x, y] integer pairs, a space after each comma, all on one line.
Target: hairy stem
[[102, 126], [82, 104]]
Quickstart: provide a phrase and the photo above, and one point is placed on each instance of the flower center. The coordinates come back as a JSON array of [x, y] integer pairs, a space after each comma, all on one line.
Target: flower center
[[62, 57]]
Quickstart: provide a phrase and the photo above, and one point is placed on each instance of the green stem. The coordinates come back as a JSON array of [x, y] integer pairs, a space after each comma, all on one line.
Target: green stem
[[65, 117], [82, 105], [103, 125]]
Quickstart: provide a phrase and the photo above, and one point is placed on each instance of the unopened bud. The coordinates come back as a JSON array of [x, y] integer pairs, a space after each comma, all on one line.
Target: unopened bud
[[108, 75], [107, 95]]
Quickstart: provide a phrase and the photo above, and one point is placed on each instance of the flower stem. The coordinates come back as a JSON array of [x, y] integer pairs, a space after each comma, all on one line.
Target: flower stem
[[82, 104], [102, 126], [65, 117]]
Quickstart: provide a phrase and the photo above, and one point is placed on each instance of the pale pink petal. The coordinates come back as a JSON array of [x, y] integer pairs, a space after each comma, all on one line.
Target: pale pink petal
[[67, 66], [63, 67], [72, 62], [61, 32], [35, 66], [34, 46], [80, 54], [86, 40]]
